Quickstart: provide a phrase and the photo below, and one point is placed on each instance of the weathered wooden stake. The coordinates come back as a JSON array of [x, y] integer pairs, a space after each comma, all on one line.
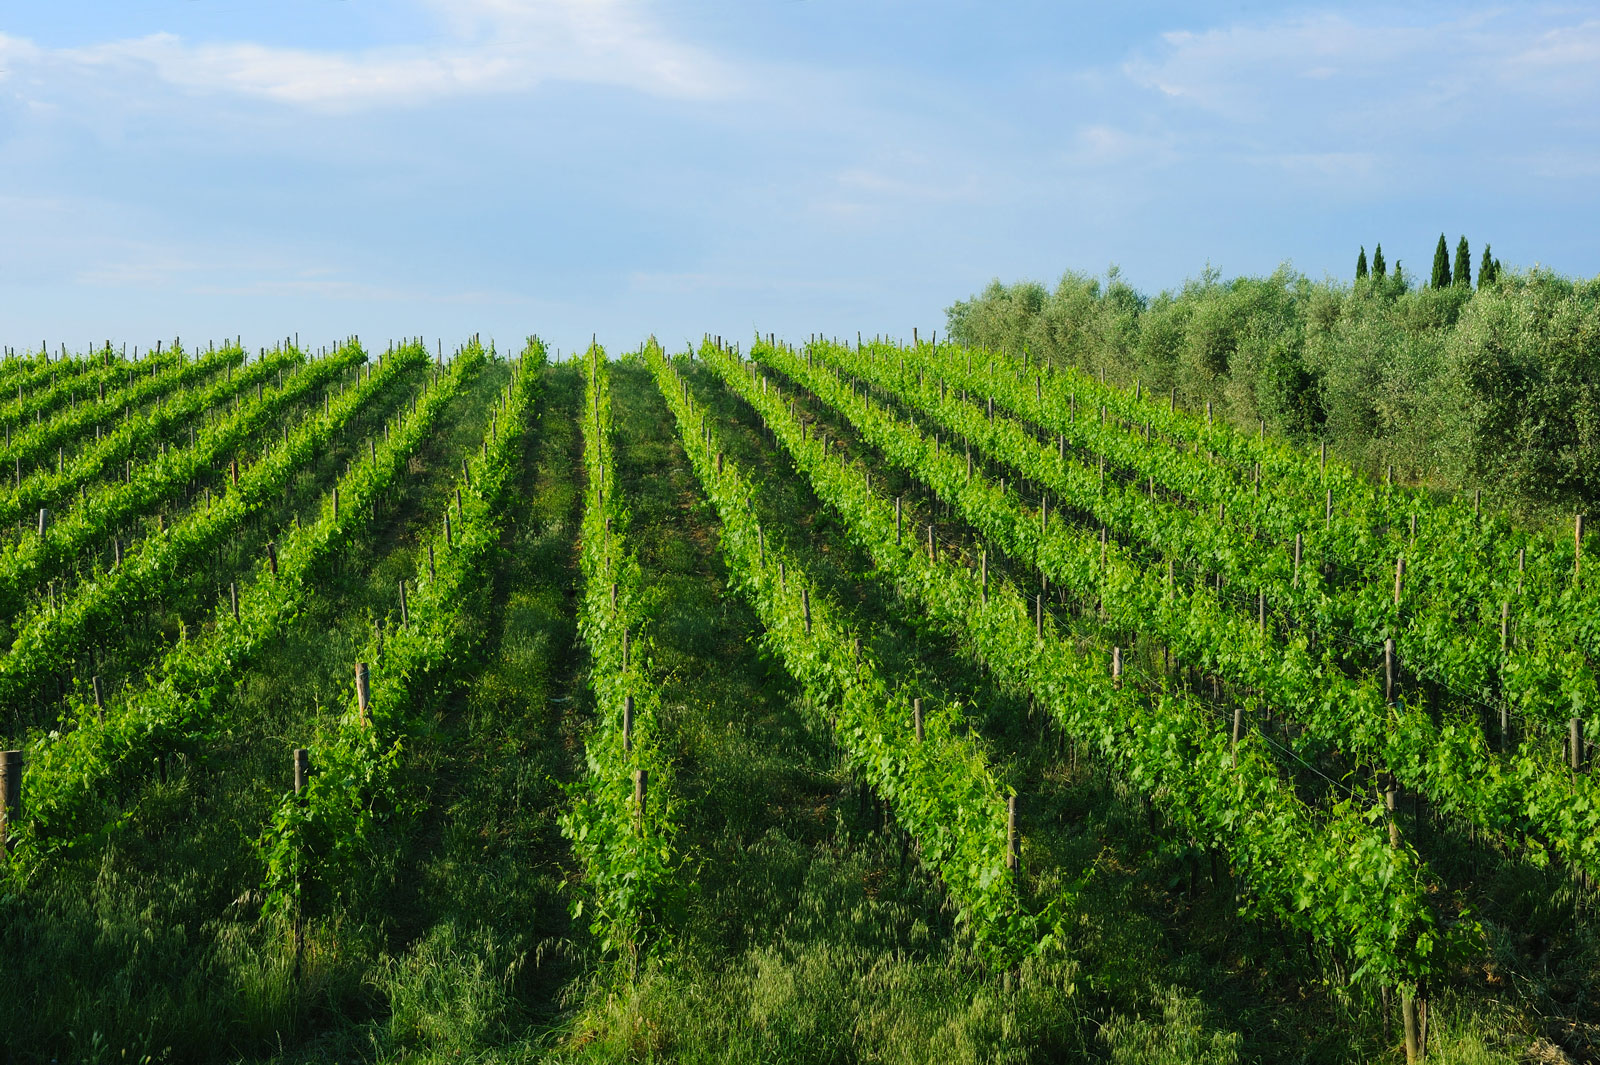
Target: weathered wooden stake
[[627, 723], [641, 791], [897, 501], [1116, 668], [233, 600], [1011, 833], [1038, 615], [99, 698], [10, 795], [1575, 743], [1399, 578], [363, 694], [1388, 670], [44, 520], [272, 558], [916, 718], [805, 606], [405, 611]]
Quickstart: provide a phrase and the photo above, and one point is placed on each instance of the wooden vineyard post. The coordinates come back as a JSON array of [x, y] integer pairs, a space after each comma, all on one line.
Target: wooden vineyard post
[[363, 695], [1505, 704], [641, 792], [916, 717], [983, 578], [233, 600], [897, 500], [1116, 668], [805, 606], [302, 775], [1329, 515], [44, 521], [336, 505], [449, 537], [1297, 549], [1575, 743], [1038, 615], [10, 795], [99, 698], [1012, 861], [272, 558], [1388, 671], [719, 464], [1399, 578], [405, 612], [432, 574], [1238, 724], [933, 546], [627, 724], [1577, 545]]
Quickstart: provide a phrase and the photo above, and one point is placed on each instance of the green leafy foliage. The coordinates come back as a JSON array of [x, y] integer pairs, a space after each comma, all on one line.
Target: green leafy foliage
[[629, 854], [942, 790], [77, 780], [1525, 793], [1333, 874], [354, 762]]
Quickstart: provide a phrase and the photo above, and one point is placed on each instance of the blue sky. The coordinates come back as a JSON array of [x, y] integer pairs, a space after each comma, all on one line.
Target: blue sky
[[205, 168]]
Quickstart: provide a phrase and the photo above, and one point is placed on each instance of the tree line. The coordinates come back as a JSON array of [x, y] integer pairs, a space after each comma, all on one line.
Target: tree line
[[1457, 386]]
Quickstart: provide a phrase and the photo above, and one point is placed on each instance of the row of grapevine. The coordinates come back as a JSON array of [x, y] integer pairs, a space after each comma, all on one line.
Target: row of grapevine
[[50, 637], [321, 832], [137, 432], [92, 524], [1466, 581], [43, 441], [78, 781], [623, 819], [1526, 793], [76, 379], [942, 790], [23, 374], [1334, 874]]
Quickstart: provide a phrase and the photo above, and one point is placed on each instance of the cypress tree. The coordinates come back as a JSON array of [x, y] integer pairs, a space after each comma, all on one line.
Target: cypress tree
[[1361, 264], [1399, 276], [1463, 267], [1441, 265], [1377, 261], [1485, 268]]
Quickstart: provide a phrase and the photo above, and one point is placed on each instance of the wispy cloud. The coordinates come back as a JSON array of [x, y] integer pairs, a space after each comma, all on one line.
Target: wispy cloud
[[491, 47], [1362, 64]]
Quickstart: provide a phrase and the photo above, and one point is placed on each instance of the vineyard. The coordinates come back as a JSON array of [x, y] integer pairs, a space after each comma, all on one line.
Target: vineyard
[[848, 700]]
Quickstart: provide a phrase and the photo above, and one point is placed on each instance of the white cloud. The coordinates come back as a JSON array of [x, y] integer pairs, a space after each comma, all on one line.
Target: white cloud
[[495, 46], [1354, 67]]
